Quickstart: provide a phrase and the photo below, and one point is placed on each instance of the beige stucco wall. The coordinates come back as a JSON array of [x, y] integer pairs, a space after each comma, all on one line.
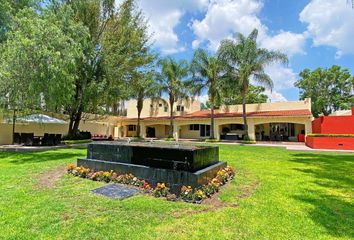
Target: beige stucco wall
[[181, 127], [186, 133], [277, 106], [157, 111]]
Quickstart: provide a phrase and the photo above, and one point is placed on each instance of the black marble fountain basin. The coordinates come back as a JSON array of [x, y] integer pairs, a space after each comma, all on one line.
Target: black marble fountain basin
[[174, 164]]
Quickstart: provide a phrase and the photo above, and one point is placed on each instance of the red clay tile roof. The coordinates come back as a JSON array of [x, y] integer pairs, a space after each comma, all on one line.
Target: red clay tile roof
[[206, 114]]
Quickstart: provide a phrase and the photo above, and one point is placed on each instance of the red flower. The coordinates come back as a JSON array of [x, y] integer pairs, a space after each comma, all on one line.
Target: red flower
[[146, 184]]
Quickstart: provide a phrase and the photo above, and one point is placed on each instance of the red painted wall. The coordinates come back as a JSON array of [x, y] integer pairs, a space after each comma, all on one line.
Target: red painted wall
[[342, 143], [333, 125]]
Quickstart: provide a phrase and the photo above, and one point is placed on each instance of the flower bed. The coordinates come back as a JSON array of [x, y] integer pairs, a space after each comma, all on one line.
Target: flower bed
[[187, 194]]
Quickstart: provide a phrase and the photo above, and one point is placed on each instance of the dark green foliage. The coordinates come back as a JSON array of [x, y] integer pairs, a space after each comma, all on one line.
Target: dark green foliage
[[172, 81], [255, 95], [243, 60], [330, 89]]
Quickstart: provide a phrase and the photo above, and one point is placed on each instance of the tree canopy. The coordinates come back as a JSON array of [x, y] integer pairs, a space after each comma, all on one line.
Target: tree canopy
[[71, 56], [330, 89], [244, 60], [172, 82]]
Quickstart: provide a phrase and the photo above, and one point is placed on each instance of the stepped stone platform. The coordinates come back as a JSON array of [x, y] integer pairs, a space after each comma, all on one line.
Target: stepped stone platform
[[173, 164]]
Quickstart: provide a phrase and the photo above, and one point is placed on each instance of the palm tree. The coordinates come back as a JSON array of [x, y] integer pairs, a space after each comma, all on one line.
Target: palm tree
[[172, 83], [143, 86], [206, 70], [245, 61]]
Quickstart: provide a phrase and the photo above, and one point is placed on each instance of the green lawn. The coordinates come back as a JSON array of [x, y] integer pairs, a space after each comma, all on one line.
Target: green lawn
[[277, 194]]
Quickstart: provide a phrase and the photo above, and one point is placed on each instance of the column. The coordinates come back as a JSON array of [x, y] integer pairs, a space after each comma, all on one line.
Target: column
[[176, 131], [216, 130], [142, 130], [308, 127], [251, 129]]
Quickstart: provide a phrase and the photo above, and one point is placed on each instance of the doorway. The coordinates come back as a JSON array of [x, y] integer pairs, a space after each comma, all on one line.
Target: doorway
[[150, 132]]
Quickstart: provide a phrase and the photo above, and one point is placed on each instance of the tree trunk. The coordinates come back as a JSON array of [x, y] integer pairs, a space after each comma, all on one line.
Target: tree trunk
[[74, 123], [212, 136], [139, 107], [13, 126], [77, 121], [170, 131], [244, 114]]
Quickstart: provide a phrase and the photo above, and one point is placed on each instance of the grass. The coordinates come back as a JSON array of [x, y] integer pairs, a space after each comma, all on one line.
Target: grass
[[277, 194], [70, 142]]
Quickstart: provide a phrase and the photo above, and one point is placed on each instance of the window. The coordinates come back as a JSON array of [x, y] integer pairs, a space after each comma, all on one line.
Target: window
[[180, 108], [160, 104], [151, 106], [165, 108], [194, 127], [205, 130], [131, 128]]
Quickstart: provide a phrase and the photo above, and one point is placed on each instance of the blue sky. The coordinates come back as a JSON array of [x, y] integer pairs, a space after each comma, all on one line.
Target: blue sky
[[313, 33]]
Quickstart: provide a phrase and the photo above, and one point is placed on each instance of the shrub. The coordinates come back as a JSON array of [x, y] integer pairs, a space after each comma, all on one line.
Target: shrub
[[82, 135], [169, 139], [212, 140], [69, 142], [329, 135], [186, 193], [248, 142], [161, 190]]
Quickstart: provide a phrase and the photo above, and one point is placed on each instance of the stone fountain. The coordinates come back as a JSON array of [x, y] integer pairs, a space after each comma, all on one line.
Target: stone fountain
[[175, 165]]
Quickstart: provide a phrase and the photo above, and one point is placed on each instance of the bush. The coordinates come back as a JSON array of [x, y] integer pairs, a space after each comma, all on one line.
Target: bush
[[329, 135], [248, 142], [212, 140], [78, 136], [69, 142], [169, 139]]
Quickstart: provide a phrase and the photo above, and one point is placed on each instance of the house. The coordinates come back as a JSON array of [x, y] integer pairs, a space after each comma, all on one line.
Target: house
[[279, 121]]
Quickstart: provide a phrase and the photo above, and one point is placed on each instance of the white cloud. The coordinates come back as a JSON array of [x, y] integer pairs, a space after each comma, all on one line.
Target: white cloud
[[275, 96], [286, 42], [283, 77], [163, 16], [226, 17], [330, 23], [203, 98]]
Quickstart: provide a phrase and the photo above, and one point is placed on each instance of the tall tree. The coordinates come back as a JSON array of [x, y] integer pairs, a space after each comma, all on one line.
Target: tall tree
[[244, 61], [143, 86], [207, 74], [255, 95], [172, 82], [126, 36], [117, 46], [38, 61], [8, 11], [330, 89]]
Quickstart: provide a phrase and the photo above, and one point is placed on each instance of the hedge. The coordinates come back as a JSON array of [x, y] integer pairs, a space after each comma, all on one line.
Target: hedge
[[69, 142], [329, 135]]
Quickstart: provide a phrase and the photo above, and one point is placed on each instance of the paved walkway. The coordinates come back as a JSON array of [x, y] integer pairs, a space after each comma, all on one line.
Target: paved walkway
[[20, 148], [293, 146]]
